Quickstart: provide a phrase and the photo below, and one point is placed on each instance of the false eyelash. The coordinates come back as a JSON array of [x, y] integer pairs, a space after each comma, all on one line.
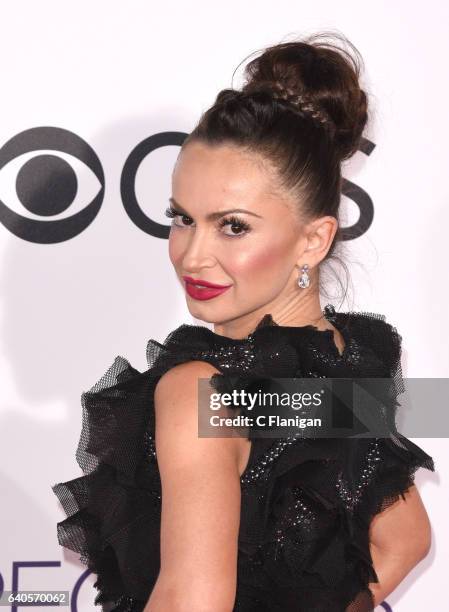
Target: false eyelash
[[234, 221], [171, 212]]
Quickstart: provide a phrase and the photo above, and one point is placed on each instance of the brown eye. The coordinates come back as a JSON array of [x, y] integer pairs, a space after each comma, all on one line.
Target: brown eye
[[237, 226]]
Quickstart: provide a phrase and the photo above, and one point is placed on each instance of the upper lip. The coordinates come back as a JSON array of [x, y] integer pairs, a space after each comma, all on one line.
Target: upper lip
[[204, 283]]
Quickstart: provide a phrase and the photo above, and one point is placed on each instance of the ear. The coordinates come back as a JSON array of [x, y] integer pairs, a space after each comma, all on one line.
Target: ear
[[319, 235]]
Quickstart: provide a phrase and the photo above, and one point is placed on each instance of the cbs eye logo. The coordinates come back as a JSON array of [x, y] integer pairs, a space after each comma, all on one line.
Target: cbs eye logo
[[44, 161]]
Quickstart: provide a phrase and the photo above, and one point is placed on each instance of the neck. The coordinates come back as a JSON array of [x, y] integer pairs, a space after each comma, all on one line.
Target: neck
[[300, 309]]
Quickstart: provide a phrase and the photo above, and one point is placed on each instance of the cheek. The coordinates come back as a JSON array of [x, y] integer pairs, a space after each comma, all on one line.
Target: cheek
[[175, 249], [258, 261]]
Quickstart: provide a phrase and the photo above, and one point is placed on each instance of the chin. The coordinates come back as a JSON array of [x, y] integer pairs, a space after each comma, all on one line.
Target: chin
[[202, 314], [196, 310]]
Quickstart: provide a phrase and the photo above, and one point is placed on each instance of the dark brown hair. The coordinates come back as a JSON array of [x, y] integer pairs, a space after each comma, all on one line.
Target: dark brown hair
[[302, 108]]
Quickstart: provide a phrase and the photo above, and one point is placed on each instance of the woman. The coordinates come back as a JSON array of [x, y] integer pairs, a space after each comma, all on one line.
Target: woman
[[171, 521]]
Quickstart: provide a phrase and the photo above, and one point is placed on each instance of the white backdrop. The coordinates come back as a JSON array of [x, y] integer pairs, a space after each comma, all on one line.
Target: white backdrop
[[114, 74]]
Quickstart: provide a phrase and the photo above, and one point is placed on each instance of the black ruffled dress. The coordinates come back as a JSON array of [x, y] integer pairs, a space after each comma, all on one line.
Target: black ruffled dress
[[306, 504]]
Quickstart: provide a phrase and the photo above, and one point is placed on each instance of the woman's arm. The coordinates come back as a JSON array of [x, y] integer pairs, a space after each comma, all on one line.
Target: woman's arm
[[400, 537], [200, 501]]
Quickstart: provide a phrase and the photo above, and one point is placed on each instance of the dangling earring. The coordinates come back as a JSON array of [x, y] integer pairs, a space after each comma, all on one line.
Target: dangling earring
[[304, 279]]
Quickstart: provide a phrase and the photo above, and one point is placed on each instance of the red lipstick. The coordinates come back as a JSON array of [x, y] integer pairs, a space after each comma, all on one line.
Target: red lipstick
[[203, 290]]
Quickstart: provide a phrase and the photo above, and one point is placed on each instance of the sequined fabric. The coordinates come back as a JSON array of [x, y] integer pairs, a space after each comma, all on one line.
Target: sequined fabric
[[306, 504]]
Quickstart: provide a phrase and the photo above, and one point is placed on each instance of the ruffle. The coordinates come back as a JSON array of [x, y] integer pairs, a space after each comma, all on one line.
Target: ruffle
[[113, 509], [303, 540]]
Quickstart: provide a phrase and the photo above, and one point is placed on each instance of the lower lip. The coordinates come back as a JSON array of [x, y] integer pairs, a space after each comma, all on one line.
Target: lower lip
[[204, 293]]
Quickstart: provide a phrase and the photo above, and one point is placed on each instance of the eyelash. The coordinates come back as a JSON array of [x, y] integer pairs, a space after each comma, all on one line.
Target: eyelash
[[231, 220]]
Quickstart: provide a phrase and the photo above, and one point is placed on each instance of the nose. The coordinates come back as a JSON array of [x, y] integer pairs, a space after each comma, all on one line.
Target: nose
[[199, 251]]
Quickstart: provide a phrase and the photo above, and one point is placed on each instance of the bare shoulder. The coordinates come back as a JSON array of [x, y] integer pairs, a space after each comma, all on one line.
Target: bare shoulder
[[176, 402], [176, 392], [176, 378], [176, 405]]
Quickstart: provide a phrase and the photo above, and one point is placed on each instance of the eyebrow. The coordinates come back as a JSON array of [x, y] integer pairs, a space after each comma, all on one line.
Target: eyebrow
[[214, 215]]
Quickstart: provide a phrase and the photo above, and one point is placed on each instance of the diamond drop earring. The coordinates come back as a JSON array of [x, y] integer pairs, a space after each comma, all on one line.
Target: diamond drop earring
[[304, 279]]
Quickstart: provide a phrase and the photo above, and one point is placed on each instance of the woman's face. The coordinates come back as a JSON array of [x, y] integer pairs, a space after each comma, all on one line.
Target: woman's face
[[256, 253]]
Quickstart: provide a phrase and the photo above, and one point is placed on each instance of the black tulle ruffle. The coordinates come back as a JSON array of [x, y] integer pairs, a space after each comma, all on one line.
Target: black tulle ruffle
[[302, 545]]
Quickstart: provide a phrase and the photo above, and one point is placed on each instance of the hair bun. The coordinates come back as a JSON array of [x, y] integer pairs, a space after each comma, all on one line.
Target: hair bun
[[318, 78]]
